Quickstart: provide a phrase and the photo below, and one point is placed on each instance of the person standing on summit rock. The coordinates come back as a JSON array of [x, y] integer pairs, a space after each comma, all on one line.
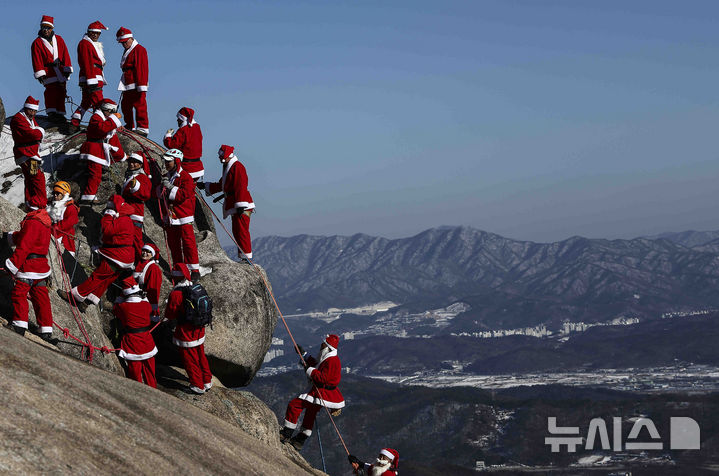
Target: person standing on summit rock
[[188, 139], [91, 61], [52, 67], [133, 82], [26, 136]]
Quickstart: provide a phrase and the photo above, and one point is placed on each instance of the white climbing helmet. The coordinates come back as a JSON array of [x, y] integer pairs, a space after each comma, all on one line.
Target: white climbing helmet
[[173, 154]]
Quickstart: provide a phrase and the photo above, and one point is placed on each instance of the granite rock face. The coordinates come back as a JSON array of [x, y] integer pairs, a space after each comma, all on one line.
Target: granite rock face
[[66, 417]]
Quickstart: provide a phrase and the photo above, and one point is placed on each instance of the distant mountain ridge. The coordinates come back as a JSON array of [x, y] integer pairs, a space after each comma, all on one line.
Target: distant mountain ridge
[[509, 283]]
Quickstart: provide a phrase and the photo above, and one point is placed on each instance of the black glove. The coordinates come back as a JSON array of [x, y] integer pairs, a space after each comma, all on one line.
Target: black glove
[[200, 185], [300, 350], [41, 80], [354, 459]]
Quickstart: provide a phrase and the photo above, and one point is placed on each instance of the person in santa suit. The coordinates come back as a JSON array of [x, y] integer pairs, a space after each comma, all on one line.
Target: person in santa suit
[[116, 252], [137, 346], [26, 136], [149, 277], [238, 202], [101, 148], [64, 215], [324, 375], [52, 67], [91, 60], [133, 82], [30, 270], [136, 191], [386, 464], [188, 338], [188, 139], [177, 197]]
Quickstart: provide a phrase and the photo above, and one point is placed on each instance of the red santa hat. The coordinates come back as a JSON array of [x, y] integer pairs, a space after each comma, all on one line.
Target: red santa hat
[[107, 103], [129, 286], [154, 250], [393, 456], [96, 27], [31, 103], [139, 157], [332, 341], [48, 21], [186, 115], [115, 202], [123, 34], [226, 151], [180, 270]]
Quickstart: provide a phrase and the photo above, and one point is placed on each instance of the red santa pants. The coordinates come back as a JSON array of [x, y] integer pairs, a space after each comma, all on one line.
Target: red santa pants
[[89, 99], [136, 100], [195, 362], [294, 409], [40, 303], [35, 189], [143, 371], [183, 248], [241, 232], [94, 179], [137, 240], [55, 97], [95, 286]]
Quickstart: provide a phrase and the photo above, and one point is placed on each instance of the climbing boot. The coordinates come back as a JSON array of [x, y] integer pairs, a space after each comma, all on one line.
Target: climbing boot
[[286, 434], [19, 330], [81, 306], [298, 441], [197, 390]]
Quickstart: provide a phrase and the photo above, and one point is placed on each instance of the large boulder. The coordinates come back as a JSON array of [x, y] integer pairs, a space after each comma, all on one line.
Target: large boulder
[[66, 417], [63, 315], [244, 313]]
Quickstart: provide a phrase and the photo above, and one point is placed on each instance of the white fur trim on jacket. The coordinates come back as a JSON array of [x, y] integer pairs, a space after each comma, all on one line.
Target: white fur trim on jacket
[[188, 344], [144, 356]]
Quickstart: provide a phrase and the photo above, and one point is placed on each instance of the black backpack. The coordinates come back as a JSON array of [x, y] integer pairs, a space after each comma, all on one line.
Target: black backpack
[[198, 305]]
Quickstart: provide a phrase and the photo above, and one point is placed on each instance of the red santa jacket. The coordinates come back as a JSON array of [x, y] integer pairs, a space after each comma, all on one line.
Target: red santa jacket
[[134, 69], [137, 193], [26, 136], [188, 138], [367, 470], [186, 335], [50, 59], [91, 60], [181, 197], [32, 242], [64, 217], [149, 276], [102, 144], [133, 313], [326, 376], [118, 235], [234, 185]]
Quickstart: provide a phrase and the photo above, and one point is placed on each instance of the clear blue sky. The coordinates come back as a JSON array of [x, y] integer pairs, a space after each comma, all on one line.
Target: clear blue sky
[[535, 120]]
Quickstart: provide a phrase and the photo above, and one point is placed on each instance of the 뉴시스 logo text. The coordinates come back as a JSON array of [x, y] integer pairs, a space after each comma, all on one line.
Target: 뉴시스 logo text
[[684, 434]]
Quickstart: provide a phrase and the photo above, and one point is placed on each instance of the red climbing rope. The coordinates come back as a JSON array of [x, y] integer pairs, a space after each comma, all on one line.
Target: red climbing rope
[[267, 286]]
